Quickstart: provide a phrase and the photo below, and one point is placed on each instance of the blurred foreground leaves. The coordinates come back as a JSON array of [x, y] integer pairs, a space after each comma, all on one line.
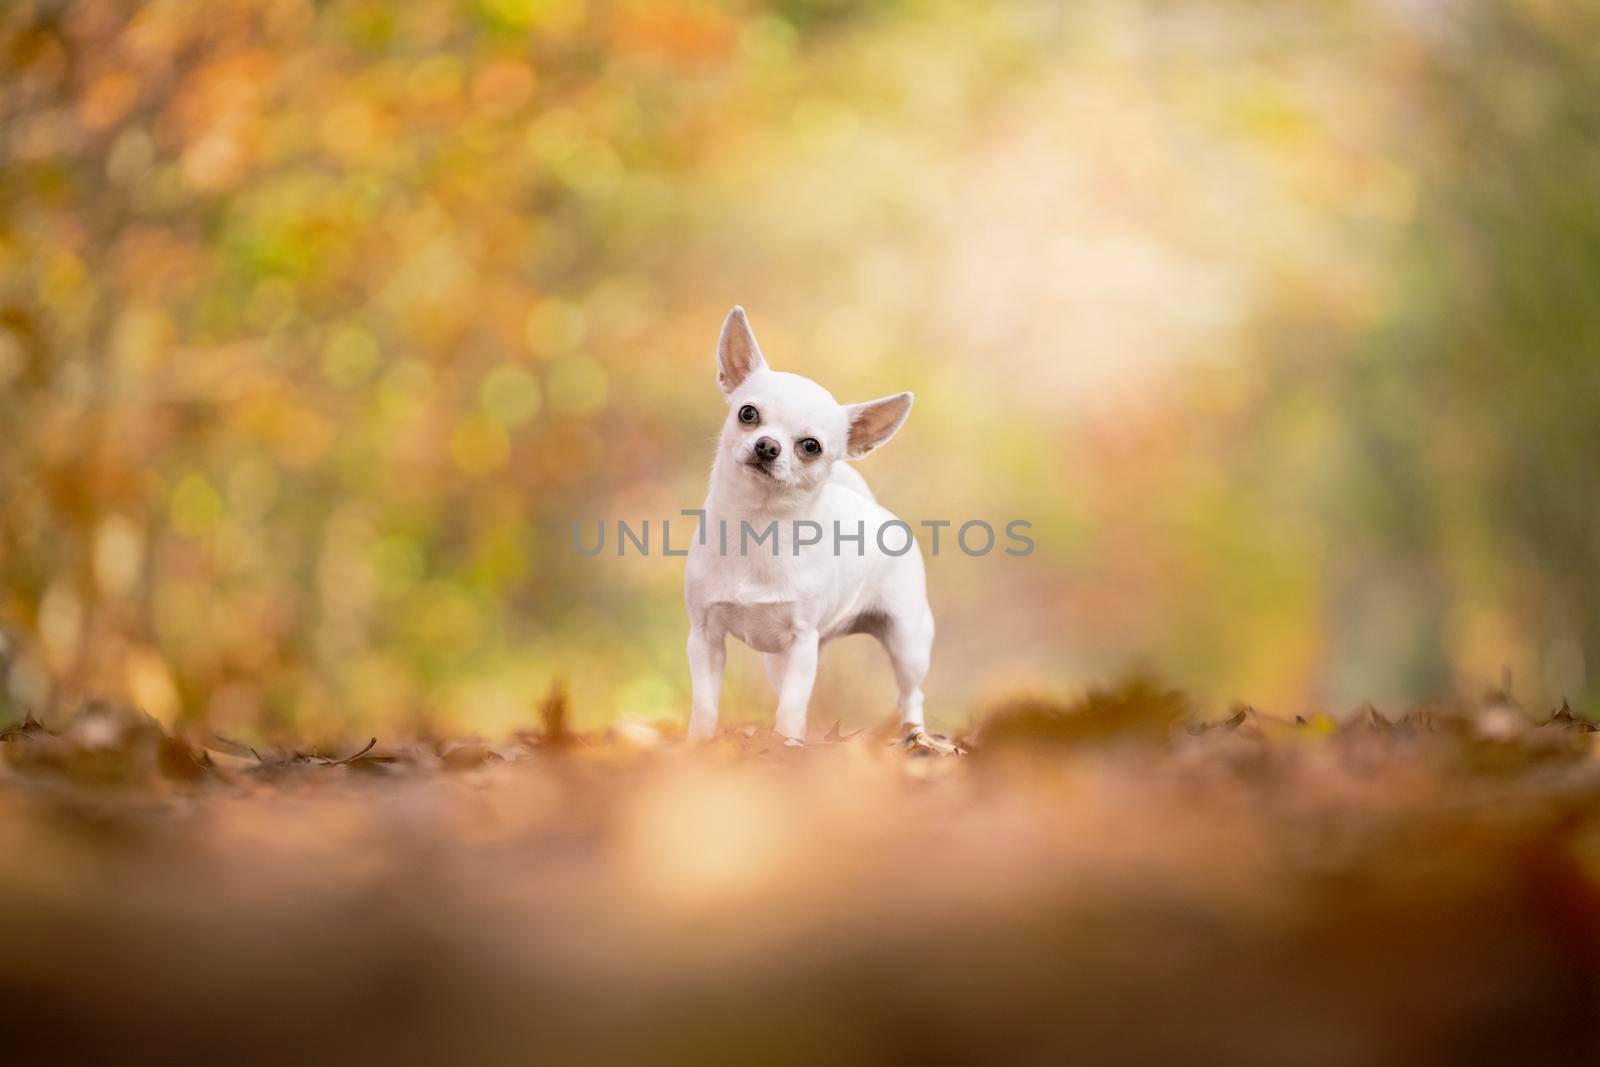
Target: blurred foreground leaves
[[1112, 881], [1137, 709]]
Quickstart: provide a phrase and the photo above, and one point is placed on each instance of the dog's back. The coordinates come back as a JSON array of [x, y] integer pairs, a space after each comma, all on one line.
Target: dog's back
[[848, 477]]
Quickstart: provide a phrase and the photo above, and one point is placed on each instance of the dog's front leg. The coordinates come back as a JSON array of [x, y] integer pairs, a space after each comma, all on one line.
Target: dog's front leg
[[706, 657], [798, 673]]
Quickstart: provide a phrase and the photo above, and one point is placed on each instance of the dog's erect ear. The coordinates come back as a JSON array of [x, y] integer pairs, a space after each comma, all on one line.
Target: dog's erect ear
[[873, 423], [738, 355]]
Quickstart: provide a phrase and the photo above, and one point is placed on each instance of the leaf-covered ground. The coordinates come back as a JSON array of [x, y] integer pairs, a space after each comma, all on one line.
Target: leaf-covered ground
[[1113, 881]]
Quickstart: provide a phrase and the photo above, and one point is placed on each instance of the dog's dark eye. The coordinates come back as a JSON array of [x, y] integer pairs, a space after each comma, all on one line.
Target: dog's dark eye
[[748, 415], [811, 446]]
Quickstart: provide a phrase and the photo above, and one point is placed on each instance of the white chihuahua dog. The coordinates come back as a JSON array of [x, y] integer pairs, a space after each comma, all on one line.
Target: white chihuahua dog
[[829, 569]]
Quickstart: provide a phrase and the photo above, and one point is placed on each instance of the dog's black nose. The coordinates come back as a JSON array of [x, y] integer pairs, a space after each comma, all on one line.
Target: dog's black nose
[[767, 449]]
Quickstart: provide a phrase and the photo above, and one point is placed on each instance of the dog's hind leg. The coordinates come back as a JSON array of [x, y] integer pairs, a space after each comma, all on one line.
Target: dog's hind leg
[[909, 643]]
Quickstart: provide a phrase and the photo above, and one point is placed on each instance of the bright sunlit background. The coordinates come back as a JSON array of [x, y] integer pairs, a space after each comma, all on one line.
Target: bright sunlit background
[[321, 323]]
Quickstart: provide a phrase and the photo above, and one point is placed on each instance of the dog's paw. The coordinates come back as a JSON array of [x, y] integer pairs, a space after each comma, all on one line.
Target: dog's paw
[[921, 743]]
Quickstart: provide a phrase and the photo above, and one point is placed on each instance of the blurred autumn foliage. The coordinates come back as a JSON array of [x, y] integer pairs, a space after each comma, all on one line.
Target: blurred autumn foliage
[[321, 323], [311, 313]]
